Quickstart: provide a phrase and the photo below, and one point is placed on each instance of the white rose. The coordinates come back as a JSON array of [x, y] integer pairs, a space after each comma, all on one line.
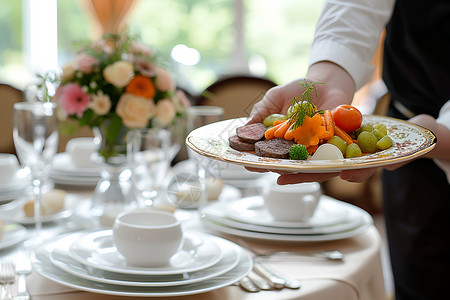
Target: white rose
[[163, 80], [119, 73], [165, 111], [135, 111], [100, 104]]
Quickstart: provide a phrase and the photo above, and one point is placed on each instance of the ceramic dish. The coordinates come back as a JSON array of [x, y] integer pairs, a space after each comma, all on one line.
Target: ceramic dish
[[217, 212], [43, 265], [97, 250], [409, 141], [60, 257], [13, 234]]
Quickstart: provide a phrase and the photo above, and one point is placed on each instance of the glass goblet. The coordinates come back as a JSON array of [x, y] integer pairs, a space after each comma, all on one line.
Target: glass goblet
[[151, 161], [36, 141]]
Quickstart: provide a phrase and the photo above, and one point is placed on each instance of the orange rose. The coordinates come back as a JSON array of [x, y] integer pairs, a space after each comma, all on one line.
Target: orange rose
[[141, 86]]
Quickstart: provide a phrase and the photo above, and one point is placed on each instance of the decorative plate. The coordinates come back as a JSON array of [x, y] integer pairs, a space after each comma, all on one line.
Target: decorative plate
[[409, 141]]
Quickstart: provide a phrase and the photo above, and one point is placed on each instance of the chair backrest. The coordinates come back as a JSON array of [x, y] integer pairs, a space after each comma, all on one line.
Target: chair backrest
[[236, 94], [8, 96]]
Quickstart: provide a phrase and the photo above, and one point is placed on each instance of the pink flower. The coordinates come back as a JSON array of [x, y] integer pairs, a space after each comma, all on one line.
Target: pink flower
[[140, 49], [86, 63], [145, 67], [73, 100]]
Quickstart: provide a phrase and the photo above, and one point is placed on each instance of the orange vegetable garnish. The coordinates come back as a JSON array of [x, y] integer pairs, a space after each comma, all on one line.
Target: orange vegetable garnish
[[270, 133], [309, 132], [342, 134], [141, 86], [281, 131], [329, 125]]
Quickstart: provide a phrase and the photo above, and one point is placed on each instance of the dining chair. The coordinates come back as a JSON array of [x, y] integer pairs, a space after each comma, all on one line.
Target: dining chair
[[8, 96], [236, 94]]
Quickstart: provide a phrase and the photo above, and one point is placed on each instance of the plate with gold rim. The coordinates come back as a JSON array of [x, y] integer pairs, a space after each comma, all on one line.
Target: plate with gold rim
[[410, 141]]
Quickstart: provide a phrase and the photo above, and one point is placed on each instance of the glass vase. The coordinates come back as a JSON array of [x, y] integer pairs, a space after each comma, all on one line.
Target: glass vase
[[112, 194]]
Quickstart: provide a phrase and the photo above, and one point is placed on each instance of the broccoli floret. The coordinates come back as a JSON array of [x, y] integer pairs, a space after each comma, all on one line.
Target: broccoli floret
[[298, 152]]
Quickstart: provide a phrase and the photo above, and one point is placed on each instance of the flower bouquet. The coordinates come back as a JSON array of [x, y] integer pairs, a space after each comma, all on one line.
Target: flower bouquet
[[115, 85]]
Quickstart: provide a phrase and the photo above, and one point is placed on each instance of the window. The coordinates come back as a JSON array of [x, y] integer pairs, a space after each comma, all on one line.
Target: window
[[208, 39]]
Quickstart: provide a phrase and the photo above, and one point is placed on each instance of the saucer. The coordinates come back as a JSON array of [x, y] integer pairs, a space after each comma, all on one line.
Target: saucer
[[251, 210], [97, 250], [63, 163], [217, 212], [14, 212], [60, 257], [13, 234]]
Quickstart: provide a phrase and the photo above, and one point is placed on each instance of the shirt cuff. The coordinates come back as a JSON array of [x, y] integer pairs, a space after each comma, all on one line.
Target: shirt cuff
[[444, 119], [343, 56]]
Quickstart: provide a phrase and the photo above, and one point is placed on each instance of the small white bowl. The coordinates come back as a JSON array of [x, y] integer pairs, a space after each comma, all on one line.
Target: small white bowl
[[147, 238], [81, 150], [292, 203], [9, 165]]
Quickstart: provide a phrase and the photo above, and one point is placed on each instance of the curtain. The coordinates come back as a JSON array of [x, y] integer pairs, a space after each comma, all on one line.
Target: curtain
[[110, 15]]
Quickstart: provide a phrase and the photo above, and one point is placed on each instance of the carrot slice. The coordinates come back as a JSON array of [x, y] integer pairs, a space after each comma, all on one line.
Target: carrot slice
[[342, 134], [280, 132], [269, 134], [311, 149], [329, 125]]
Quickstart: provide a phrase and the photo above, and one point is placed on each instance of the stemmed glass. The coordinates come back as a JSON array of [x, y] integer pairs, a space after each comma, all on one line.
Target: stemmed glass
[[151, 161], [36, 141]]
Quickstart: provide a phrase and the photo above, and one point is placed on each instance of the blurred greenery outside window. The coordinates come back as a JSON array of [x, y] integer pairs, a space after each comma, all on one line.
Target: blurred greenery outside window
[[270, 38]]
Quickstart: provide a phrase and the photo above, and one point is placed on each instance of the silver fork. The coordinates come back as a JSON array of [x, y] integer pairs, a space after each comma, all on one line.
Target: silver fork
[[23, 269], [7, 277]]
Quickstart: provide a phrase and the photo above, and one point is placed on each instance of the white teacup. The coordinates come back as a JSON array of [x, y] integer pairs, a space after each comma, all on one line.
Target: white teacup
[[292, 203], [9, 165], [80, 150], [147, 238]]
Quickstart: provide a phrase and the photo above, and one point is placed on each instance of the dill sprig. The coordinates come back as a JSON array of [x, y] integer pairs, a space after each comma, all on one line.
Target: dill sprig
[[303, 105]]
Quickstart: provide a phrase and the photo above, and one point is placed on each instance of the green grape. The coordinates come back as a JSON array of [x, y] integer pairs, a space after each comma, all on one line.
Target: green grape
[[338, 142], [353, 150], [381, 127], [384, 143], [268, 121], [367, 141], [378, 133], [366, 127]]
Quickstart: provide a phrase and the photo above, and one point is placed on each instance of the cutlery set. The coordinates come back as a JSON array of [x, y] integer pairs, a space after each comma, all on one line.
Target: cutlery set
[[8, 272]]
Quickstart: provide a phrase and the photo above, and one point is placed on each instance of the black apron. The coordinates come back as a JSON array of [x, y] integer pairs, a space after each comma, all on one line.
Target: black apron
[[417, 196]]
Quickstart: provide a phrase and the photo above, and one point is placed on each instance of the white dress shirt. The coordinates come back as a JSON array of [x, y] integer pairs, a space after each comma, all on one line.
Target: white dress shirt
[[347, 34]]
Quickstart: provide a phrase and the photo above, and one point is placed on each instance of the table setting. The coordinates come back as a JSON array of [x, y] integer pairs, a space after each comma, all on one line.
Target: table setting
[[110, 217]]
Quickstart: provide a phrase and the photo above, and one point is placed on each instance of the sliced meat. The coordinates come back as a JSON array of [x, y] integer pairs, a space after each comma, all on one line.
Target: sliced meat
[[238, 144], [251, 133], [274, 148]]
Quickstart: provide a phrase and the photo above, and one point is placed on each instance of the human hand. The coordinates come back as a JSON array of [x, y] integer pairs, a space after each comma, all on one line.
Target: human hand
[[338, 88]]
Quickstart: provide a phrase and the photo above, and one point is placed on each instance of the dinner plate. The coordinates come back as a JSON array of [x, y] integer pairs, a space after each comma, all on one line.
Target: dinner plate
[[42, 264], [367, 221], [62, 163], [97, 250], [13, 234], [14, 212], [216, 211], [252, 210], [60, 257], [409, 141]]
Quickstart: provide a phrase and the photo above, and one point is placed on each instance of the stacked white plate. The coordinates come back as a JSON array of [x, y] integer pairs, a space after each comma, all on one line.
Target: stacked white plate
[[65, 172], [89, 261], [247, 217], [19, 185]]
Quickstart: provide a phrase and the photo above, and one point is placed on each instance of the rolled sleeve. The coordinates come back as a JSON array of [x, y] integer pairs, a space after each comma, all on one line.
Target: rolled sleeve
[[444, 119], [347, 34]]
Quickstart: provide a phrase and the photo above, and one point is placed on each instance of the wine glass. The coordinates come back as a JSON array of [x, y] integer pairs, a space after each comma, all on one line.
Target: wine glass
[[36, 140], [151, 161]]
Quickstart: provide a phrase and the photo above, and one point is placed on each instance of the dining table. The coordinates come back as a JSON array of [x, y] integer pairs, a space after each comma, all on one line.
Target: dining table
[[358, 276]]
